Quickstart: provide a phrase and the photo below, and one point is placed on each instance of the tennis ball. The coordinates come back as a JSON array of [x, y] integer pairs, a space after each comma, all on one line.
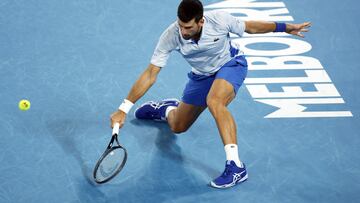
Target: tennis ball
[[24, 105]]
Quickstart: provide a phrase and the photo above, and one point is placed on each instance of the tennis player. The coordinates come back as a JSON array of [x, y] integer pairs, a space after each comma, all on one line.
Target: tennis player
[[218, 71]]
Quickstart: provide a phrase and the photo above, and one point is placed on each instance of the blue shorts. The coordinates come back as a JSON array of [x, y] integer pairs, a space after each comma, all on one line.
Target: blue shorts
[[198, 87]]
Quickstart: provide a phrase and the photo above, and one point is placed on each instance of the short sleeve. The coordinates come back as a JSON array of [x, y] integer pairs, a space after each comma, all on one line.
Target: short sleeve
[[166, 44], [233, 24]]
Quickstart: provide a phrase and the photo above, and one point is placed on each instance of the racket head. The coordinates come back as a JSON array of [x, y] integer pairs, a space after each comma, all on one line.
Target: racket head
[[110, 164]]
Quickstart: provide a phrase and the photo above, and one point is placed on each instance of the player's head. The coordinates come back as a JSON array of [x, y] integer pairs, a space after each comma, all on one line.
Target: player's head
[[190, 17]]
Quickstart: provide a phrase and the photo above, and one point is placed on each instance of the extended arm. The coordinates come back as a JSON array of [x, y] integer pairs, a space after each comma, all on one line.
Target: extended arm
[[140, 87], [143, 83], [258, 27]]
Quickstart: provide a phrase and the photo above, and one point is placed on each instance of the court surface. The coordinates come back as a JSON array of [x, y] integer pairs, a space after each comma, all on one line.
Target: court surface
[[76, 60]]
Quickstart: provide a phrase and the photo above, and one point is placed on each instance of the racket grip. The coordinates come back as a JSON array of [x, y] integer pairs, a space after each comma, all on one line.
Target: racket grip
[[116, 129]]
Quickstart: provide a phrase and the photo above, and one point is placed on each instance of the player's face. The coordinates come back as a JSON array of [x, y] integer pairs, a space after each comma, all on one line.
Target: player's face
[[190, 29]]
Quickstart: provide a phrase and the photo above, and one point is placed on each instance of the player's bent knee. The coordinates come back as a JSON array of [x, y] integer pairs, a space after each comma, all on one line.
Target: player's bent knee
[[178, 129]]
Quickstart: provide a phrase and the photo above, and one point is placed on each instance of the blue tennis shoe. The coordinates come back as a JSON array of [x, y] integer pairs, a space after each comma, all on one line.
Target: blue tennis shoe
[[231, 176], [155, 110]]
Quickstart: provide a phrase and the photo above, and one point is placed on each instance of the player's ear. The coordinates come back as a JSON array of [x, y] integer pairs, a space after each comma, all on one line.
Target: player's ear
[[201, 22]]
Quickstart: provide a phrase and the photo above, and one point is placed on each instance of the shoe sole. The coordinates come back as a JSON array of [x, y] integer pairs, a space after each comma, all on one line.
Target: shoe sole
[[229, 185]]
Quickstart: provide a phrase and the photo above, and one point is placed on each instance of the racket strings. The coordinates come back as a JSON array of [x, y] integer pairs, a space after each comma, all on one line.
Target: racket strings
[[110, 164]]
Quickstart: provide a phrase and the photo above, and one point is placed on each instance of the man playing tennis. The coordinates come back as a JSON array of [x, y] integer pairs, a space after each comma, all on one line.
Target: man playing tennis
[[218, 71]]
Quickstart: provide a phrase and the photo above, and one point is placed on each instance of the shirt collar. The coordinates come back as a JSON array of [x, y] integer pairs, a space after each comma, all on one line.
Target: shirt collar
[[190, 41]]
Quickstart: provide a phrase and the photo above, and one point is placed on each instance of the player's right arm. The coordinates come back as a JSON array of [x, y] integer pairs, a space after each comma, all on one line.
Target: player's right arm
[[166, 44], [140, 87], [143, 83]]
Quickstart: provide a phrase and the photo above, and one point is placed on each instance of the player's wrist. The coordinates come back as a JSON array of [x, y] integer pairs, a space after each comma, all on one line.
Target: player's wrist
[[280, 27], [126, 106]]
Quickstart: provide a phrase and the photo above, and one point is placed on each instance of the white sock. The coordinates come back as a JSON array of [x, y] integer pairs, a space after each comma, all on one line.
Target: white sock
[[232, 153], [168, 109]]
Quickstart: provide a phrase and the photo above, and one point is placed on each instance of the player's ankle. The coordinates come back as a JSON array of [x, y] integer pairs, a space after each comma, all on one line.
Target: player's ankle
[[168, 110], [232, 154]]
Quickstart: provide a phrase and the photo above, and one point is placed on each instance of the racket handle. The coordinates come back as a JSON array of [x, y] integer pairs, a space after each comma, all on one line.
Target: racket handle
[[116, 129]]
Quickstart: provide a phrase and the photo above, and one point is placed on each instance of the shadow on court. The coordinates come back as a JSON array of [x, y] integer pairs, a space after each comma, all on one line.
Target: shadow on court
[[65, 132], [168, 175]]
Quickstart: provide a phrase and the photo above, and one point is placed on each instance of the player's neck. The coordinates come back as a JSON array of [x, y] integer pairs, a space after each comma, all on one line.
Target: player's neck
[[196, 38]]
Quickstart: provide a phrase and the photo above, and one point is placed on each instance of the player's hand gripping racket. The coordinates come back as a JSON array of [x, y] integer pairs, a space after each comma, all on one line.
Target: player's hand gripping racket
[[112, 160]]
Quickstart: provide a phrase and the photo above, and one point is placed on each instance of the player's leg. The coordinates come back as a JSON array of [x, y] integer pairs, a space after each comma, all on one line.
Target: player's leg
[[228, 80], [181, 118], [180, 115], [193, 103], [220, 95]]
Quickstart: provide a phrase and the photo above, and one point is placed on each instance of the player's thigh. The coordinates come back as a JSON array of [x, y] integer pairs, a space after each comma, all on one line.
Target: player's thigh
[[221, 92], [227, 82]]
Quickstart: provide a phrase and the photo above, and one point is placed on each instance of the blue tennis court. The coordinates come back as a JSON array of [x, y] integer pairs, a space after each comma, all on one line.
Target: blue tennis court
[[297, 112]]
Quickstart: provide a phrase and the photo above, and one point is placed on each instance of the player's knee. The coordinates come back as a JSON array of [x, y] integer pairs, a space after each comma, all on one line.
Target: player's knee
[[178, 128], [214, 102]]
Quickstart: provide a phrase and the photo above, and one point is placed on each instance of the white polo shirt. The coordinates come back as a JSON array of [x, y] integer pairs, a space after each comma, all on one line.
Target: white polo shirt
[[212, 50]]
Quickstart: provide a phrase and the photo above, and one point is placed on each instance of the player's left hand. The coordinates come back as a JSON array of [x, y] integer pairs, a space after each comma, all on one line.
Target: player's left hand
[[297, 29]]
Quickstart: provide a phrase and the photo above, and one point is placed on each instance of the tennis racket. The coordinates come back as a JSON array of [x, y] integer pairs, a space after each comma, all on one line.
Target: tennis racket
[[112, 160]]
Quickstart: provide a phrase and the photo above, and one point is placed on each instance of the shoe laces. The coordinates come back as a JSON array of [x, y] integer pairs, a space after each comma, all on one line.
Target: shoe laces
[[227, 171], [157, 105]]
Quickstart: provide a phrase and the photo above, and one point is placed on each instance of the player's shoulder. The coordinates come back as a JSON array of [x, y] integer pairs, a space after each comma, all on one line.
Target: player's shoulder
[[219, 18], [173, 27], [216, 15], [170, 34], [171, 30]]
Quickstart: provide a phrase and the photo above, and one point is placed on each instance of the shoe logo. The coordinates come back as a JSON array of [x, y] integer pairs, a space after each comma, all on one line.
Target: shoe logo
[[216, 39], [237, 176]]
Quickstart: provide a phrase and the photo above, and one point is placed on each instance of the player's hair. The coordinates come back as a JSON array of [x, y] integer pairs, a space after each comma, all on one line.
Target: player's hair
[[190, 9]]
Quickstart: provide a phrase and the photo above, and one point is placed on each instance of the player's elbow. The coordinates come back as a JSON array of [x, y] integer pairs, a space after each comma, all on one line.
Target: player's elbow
[[249, 27], [251, 31], [152, 79], [153, 71]]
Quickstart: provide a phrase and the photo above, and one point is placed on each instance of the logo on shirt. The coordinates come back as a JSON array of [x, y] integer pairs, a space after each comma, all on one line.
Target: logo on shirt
[[216, 39]]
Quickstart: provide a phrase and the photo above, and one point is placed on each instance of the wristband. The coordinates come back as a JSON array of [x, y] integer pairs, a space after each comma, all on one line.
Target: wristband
[[126, 106], [280, 27]]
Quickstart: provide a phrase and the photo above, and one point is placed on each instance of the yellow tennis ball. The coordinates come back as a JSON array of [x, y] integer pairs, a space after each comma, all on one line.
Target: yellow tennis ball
[[24, 105]]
